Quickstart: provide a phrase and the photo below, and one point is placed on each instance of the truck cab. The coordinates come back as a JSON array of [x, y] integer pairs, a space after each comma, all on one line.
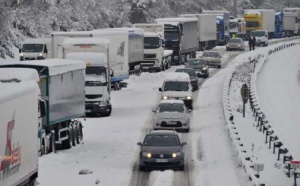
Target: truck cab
[[35, 49]]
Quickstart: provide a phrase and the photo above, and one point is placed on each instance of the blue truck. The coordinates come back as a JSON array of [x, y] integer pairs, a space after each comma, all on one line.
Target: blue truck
[[62, 84], [285, 23], [222, 25]]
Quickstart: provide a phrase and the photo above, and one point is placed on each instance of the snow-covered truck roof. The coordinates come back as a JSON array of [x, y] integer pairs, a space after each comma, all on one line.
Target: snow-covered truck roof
[[37, 41], [176, 19], [133, 32], [85, 42], [176, 76], [20, 74], [77, 33], [54, 66]]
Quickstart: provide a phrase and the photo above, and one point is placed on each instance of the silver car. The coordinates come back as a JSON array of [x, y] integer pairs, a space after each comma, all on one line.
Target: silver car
[[213, 58], [172, 114], [235, 44]]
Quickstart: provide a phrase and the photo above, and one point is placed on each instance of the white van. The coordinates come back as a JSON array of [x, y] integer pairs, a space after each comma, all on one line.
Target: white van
[[261, 37], [177, 86]]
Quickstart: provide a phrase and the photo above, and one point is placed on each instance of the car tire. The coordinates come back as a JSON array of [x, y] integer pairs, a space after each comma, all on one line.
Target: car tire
[[142, 168], [219, 66], [181, 168], [187, 130]]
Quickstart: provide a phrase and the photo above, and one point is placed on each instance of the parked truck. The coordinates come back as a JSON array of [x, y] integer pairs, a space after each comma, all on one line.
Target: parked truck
[[155, 58], [95, 52], [35, 49], [284, 24], [222, 25], [62, 85], [237, 26], [207, 30], [181, 37], [260, 19], [18, 130], [297, 24]]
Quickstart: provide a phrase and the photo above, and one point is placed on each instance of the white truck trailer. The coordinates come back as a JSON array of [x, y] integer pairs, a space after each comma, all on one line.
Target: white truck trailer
[[18, 130], [35, 49], [297, 24], [181, 37], [62, 85], [207, 30], [155, 58], [95, 52]]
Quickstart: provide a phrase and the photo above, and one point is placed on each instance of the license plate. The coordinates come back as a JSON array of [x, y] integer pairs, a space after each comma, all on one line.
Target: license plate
[[88, 111], [145, 67], [161, 160], [172, 122]]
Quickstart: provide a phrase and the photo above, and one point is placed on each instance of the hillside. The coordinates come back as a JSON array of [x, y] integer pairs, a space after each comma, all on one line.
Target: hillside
[[36, 18]]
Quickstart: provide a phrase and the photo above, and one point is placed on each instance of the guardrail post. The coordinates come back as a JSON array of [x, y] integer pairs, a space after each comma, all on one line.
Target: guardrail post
[[281, 151], [268, 133], [276, 145], [272, 138]]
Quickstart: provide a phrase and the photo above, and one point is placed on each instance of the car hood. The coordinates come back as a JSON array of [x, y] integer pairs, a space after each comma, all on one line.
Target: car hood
[[161, 149], [170, 115], [177, 93]]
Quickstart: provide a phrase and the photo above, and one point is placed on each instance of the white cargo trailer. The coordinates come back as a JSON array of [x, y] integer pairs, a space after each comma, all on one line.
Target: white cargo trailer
[[207, 30], [18, 131], [297, 25], [181, 37]]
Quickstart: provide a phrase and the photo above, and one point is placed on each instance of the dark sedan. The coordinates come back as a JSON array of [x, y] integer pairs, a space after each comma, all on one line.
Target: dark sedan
[[161, 149], [200, 65]]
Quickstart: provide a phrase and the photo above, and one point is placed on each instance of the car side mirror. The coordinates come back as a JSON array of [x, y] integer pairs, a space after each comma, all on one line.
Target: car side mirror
[[45, 50], [160, 89], [183, 143], [20, 50], [153, 110], [139, 144]]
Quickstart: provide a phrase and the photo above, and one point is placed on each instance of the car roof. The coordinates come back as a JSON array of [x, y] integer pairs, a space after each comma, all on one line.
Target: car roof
[[171, 101], [175, 76], [162, 132]]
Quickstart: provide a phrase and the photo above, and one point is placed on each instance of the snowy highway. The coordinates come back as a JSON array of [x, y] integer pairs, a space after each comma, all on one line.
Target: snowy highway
[[109, 154]]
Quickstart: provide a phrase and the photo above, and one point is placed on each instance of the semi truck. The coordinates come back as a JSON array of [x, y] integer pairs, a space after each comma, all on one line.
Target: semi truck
[[297, 24], [35, 49], [207, 30], [155, 58], [180, 34], [260, 19], [62, 85], [222, 25], [237, 26], [18, 130], [95, 52], [284, 24]]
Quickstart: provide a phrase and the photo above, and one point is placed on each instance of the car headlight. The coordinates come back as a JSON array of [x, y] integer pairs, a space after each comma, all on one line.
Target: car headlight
[[147, 154], [22, 54], [188, 97], [165, 97], [204, 68], [176, 154], [40, 54], [239, 45]]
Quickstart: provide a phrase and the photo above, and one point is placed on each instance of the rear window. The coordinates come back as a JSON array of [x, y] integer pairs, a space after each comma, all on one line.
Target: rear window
[[235, 41], [196, 62]]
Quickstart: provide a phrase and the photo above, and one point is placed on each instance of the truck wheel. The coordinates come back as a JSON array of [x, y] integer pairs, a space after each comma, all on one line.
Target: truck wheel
[[75, 134], [116, 86], [77, 139], [67, 144], [109, 112], [32, 182]]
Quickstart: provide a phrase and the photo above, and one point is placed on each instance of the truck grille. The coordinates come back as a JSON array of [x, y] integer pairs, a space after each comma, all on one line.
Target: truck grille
[[147, 63]]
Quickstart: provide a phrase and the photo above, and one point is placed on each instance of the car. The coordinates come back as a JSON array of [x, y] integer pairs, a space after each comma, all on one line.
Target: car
[[161, 149], [200, 65], [235, 44], [261, 37], [193, 76], [177, 86], [213, 58], [172, 114]]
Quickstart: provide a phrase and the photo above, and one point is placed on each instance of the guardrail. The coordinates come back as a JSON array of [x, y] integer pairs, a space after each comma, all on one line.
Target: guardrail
[[247, 72]]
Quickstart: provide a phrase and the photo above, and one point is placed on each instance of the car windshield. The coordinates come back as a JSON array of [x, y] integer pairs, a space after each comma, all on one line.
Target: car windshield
[[161, 140], [176, 86], [196, 62], [190, 72], [32, 47], [257, 33], [210, 54], [97, 71], [234, 41], [220, 27], [171, 107], [151, 42]]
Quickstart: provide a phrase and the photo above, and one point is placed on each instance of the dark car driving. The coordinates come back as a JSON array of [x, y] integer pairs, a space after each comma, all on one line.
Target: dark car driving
[[161, 149], [200, 65], [193, 76]]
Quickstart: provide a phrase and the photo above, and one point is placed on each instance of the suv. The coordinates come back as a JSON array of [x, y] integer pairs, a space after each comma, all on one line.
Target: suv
[[171, 114], [161, 149], [177, 86]]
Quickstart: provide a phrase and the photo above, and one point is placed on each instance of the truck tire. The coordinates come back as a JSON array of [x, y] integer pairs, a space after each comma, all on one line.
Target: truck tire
[[32, 182], [80, 131], [78, 134], [109, 112], [67, 144]]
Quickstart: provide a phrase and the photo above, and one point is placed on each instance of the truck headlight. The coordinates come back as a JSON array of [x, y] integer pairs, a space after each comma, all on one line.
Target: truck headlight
[[176, 154], [22, 54], [147, 154], [40, 54], [165, 97], [188, 97]]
